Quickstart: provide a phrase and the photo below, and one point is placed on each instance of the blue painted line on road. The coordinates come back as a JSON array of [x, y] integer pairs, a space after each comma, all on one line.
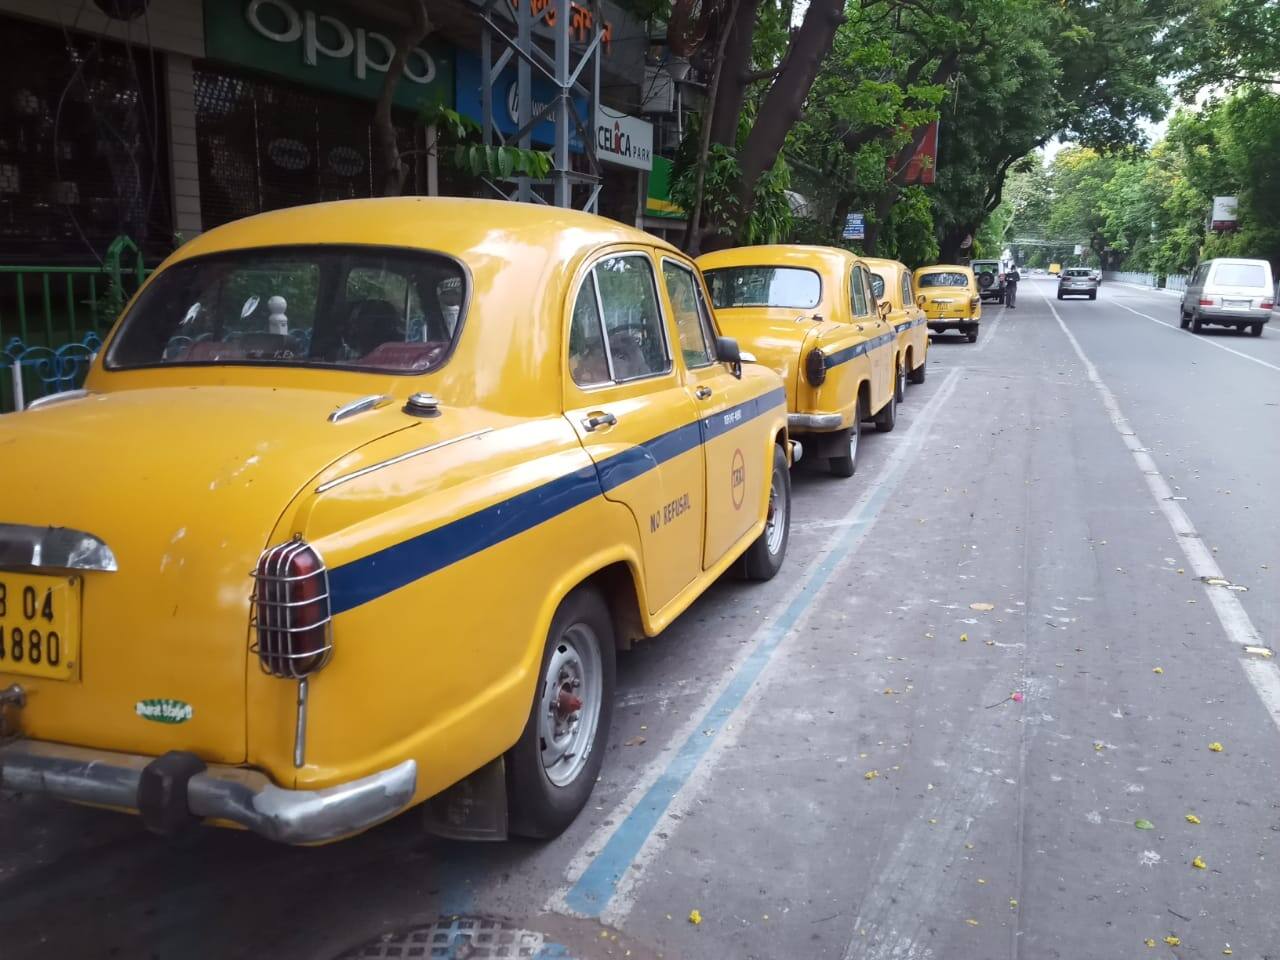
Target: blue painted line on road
[[591, 894]]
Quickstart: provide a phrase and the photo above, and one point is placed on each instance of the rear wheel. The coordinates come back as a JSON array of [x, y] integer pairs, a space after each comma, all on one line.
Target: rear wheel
[[1184, 319], [1196, 325], [917, 375], [846, 462], [553, 766], [763, 558], [887, 418], [1060, 295], [972, 334], [900, 382], [1093, 295], [1255, 330]]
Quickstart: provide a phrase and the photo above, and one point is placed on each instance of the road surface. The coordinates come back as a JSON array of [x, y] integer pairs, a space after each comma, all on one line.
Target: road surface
[[989, 663]]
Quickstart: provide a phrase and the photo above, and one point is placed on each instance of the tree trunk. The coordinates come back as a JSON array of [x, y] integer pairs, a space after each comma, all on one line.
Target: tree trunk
[[949, 246], [387, 150], [784, 102], [733, 65], [693, 228]]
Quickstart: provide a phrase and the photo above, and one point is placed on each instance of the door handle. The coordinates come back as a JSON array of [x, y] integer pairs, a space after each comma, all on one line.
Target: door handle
[[702, 393], [596, 420]]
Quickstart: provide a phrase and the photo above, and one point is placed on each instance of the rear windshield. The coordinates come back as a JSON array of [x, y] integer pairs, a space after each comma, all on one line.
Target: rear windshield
[[979, 266], [364, 308], [1240, 275], [943, 280], [1078, 273], [791, 287], [877, 285]]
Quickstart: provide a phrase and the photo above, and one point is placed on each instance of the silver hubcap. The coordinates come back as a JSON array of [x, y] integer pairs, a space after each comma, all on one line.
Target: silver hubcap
[[854, 434], [570, 705], [777, 525], [902, 379]]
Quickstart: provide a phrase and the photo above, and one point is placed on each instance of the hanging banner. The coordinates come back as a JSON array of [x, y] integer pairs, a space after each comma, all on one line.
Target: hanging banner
[[922, 167], [855, 227], [1225, 216]]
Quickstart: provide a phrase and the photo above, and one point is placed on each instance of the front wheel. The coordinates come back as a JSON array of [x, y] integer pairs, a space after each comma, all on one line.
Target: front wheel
[[1060, 297], [1184, 319], [553, 766], [763, 559]]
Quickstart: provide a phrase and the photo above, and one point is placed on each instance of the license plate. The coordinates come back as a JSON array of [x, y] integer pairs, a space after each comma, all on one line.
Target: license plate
[[39, 625], [1238, 304]]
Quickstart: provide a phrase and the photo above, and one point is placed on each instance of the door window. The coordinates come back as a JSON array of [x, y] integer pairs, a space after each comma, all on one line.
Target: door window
[[859, 298], [692, 322], [632, 319], [907, 299], [588, 358]]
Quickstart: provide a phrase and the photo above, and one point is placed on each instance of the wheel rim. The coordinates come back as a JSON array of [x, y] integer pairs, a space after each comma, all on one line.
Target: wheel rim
[[776, 528], [855, 434], [902, 380], [570, 705]]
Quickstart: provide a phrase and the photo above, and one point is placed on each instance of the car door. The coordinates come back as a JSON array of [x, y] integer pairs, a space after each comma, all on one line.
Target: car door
[[626, 397], [730, 444], [880, 333]]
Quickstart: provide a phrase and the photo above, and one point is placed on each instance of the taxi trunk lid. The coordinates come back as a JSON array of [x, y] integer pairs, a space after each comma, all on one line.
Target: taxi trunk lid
[[186, 487]]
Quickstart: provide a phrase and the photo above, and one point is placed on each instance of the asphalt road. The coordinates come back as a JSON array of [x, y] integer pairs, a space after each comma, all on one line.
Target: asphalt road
[[861, 759]]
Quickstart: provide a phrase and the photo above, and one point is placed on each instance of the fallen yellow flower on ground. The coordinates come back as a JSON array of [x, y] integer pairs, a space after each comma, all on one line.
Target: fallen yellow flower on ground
[[695, 917], [1216, 747], [1198, 863], [871, 775], [1173, 941], [1157, 670], [1192, 818], [1150, 942]]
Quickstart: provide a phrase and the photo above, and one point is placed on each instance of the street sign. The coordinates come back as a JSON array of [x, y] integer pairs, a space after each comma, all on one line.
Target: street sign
[[855, 227]]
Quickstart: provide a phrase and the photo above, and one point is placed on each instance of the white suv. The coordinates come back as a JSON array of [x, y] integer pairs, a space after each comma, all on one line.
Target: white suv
[[1229, 293]]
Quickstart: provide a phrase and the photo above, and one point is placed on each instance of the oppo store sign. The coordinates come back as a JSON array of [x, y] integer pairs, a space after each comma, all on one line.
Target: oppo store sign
[[322, 45]]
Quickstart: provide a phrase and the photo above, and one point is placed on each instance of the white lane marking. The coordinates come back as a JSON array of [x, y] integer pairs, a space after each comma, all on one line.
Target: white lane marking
[[1237, 626], [984, 340], [843, 540], [1199, 339]]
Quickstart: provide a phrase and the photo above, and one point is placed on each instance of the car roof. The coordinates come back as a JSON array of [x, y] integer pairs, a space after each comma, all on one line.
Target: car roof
[[451, 225], [808, 256]]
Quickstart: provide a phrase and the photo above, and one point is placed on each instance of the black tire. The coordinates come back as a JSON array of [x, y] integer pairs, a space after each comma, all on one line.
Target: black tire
[[972, 334], [1093, 295], [846, 464], [540, 808], [1255, 330], [918, 374], [887, 418], [1184, 319], [1196, 325], [1060, 297], [763, 559], [900, 380]]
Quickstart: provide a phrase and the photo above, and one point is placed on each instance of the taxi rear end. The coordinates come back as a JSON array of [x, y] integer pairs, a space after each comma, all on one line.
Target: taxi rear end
[[948, 294]]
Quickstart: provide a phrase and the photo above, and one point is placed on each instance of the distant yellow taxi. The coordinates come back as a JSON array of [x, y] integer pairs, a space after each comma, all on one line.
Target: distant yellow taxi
[[891, 283], [354, 509], [808, 312], [948, 294]]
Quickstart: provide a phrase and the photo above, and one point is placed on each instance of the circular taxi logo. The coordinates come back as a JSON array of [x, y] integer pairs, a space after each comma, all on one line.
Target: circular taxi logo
[[739, 479]]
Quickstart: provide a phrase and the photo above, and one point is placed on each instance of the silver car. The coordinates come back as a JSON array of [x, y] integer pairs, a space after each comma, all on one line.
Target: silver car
[[1077, 282], [1229, 293]]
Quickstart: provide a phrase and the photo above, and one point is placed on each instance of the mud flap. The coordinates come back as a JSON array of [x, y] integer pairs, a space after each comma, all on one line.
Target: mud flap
[[472, 809]]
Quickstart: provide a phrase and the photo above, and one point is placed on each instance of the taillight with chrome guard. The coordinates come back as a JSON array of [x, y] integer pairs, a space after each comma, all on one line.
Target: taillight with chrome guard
[[290, 611], [815, 367]]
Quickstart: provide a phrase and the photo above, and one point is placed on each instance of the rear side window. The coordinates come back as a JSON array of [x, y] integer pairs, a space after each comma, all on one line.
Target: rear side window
[[1253, 275], [906, 290], [617, 312], [859, 293], [692, 321]]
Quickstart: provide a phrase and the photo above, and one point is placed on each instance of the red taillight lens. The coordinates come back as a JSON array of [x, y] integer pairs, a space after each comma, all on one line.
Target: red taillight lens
[[291, 611], [815, 367], [1207, 302], [1267, 305]]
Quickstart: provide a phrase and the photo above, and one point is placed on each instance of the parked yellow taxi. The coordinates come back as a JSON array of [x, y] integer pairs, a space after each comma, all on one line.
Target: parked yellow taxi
[[948, 294], [809, 314], [891, 282], [355, 506]]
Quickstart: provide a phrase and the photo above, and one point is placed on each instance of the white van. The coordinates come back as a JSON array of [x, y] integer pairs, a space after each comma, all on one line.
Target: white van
[[1230, 293]]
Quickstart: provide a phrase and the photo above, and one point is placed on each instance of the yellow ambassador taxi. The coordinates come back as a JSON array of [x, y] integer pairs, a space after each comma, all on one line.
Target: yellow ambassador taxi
[[356, 504], [808, 313], [948, 294], [891, 283]]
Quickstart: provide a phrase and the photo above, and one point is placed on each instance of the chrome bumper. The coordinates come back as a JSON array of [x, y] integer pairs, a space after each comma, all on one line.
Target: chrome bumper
[[245, 797], [814, 421]]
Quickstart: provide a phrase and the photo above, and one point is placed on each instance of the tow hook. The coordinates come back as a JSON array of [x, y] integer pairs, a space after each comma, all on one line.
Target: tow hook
[[13, 696]]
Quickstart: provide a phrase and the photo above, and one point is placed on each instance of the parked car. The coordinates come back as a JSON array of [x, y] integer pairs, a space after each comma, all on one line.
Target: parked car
[[948, 295], [891, 283], [1077, 282], [809, 314], [1055, 269], [1229, 292], [356, 504], [990, 277]]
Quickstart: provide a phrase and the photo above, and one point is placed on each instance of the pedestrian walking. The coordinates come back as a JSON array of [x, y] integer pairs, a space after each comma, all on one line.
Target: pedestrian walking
[[1011, 278]]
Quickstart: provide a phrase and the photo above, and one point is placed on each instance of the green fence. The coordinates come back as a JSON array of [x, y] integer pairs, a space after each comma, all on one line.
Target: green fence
[[53, 306]]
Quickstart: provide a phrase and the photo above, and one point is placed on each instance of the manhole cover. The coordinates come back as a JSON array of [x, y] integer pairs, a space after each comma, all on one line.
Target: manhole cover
[[461, 938]]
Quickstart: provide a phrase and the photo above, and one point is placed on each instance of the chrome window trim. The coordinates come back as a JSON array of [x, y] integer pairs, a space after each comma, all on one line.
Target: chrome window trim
[[51, 399], [25, 547]]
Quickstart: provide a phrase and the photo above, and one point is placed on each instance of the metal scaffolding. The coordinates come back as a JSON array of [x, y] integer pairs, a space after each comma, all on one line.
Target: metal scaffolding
[[542, 44]]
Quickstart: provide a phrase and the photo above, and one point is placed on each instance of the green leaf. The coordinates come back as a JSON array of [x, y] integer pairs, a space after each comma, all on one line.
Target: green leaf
[[1144, 824], [506, 162]]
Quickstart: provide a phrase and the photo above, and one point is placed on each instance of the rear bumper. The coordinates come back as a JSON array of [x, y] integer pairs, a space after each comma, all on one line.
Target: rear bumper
[[234, 794], [1076, 291], [1222, 315], [951, 323], [814, 421]]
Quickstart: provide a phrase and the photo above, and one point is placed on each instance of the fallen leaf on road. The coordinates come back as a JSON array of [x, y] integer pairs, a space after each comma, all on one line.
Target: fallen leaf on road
[[871, 775], [1097, 746], [964, 638], [1199, 863], [889, 690], [1173, 941], [989, 643], [982, 606], [695, 917], [1216, 747], [1192, 818], [1157, 669], [1226, 951], [1259, 651], [1144, 824], [634, 741], [1013, 904], [1150, 941], [972, 922]]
